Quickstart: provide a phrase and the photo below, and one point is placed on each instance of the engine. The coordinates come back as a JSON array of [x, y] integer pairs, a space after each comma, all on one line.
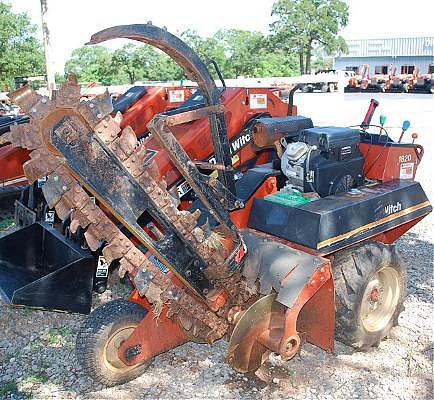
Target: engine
[[324, 160]]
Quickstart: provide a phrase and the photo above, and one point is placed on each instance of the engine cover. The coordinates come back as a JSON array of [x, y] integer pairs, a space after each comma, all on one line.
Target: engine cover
[[326, 160], [336, 142]]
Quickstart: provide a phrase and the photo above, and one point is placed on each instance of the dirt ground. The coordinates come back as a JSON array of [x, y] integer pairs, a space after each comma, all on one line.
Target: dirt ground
[[37, 357]]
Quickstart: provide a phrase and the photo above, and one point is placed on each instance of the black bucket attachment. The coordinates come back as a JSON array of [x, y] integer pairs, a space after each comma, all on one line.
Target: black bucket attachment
[[41, 268]]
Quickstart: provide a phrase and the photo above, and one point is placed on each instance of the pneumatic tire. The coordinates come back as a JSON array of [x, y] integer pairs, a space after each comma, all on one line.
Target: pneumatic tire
[[101, 335], [370, 283]]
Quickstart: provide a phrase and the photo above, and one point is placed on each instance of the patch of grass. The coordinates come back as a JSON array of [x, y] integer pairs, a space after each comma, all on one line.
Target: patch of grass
[[53, 337], [37, 378], [10, 388], [37, 346], [8, 356], [6, 223], [65, 331]]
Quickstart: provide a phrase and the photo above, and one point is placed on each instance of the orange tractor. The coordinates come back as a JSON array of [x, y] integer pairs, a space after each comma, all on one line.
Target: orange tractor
[[424, 82], [357, 82], [402, 82], [286, 241]]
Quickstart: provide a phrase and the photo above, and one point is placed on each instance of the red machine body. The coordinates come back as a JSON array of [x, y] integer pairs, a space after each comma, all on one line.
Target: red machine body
[[157, 99], [358, 81], [241, 104], [391, 161]]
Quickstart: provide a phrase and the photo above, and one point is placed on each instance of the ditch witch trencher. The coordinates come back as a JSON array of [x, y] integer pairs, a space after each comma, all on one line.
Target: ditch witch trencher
[[270, 255]]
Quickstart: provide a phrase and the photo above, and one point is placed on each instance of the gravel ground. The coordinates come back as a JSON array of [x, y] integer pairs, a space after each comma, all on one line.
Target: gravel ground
[[37, 348]]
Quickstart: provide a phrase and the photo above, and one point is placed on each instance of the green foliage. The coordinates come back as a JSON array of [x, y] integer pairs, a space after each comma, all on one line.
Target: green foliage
[[237, 53], [91, 64], [36, 378], [20, 52], [128, 64], [302, 28], [9, 389], [304, 25]]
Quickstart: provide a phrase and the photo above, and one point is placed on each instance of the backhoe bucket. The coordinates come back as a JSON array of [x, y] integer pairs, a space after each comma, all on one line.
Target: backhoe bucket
[[40, 268]]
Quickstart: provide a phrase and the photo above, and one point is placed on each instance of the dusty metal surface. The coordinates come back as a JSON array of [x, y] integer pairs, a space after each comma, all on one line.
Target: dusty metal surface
[[80, 148], [195, 69], [83, 151]]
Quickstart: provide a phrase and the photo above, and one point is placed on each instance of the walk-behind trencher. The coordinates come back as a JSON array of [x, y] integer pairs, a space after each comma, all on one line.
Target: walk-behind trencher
[[298, 248]]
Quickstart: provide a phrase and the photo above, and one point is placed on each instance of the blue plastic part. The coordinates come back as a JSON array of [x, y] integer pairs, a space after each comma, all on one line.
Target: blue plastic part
[[405, 125]]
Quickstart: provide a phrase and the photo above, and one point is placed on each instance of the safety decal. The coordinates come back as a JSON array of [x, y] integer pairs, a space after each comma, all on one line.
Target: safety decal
[[406, 171], [176, 96], [258, 100], [102, 268]]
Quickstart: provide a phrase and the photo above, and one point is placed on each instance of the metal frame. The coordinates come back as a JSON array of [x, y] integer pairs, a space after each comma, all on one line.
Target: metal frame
[[195, 69]]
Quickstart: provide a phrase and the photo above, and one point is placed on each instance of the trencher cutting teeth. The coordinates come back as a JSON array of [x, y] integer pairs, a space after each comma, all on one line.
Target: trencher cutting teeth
[[64, 193]]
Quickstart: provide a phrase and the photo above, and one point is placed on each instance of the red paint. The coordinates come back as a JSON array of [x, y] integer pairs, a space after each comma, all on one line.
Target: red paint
[[385, 162], [156, 100], [195, 137], [12, 160], [316, 320], [154, 335], [390, 236], [312, 329]]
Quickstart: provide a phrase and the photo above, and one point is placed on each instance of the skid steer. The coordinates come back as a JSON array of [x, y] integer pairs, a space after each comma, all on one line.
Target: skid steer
[[296, 249]]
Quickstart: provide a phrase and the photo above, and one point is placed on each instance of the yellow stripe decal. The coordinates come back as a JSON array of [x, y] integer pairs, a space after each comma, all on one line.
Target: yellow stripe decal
[[373, 224]]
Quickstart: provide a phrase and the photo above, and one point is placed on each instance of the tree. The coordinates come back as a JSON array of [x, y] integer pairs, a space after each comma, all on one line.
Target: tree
[[303, 25], [207, 48], [91, 64], [252, 54], [20, 51]]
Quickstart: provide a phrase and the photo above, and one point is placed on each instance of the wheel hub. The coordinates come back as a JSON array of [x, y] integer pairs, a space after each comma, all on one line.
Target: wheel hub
[[380, 299], [111, 358]]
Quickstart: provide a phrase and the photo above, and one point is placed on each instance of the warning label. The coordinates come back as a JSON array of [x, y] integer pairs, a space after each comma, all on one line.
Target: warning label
[[258, 100], [176, 96], [406, 171]]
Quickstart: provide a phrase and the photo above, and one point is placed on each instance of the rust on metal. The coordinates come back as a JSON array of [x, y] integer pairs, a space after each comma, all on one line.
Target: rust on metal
[[209, 166], [189, 116], [66, 195]]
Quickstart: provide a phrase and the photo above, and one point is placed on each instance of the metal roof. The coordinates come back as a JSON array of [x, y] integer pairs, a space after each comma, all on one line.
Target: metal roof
[[412, 46]]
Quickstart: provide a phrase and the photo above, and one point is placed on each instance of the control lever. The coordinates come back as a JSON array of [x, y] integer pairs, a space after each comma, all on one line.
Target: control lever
[[369, 114]]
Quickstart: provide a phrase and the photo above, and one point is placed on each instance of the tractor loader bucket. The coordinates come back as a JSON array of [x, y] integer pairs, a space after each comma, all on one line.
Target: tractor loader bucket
[[40, 268]]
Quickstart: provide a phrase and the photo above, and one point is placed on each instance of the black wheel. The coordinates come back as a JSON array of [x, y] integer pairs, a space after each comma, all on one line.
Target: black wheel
[[370, 283], [100, 337]]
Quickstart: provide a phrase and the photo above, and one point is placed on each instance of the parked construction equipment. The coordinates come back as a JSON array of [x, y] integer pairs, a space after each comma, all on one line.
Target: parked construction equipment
[[424, 82], [357, 82], [291, 243]]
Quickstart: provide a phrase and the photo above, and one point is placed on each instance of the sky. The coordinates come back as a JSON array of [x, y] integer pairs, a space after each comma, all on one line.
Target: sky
[[72, 22]]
